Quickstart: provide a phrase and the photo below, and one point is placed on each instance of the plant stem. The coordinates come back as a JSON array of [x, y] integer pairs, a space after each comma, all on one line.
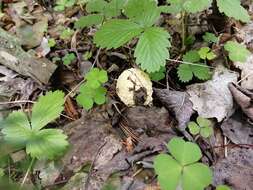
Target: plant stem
[[183, 22], [27, 172]]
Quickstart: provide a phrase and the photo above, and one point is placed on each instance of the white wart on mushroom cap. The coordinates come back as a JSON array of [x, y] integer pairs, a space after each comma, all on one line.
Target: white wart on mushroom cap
[[134, 87]]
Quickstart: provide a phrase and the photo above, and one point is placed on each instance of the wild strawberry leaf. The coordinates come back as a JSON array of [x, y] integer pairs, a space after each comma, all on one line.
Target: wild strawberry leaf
[[152, 49], [237, 52], [89, 20], [116, 33]]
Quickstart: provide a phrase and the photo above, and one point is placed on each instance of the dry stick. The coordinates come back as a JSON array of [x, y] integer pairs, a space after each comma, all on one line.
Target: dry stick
[[244, 78], [92, 165], [27, 172]]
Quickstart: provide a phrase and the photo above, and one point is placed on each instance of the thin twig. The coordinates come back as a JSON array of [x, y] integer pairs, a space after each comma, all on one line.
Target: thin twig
[[27, 172], [189, 63]]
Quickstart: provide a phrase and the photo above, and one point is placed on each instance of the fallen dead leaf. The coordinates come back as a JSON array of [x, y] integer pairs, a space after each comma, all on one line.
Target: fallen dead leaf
[[212, 99]]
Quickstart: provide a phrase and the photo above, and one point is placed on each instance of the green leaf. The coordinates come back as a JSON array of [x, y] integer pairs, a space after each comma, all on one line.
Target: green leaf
[[223, 187], [206, 53], [191, 6], [168, 170], [85, 21], [116, 33], [184, 152], [193, 128], [66, 34], [113, 8], [237, 52], [47, 109], [96, 77], [203, 122], [143, 12], [172, 9], [47, 143], [196, 177], [233, 8], [206, 131], [68, 58], [85, 101], [210, 38], [159, 75], [1, 172], [152, 49], [186, 71], [17, 128], [97, 6]]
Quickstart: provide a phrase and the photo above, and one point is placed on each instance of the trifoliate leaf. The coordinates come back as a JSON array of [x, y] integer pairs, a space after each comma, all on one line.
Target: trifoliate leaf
[[168, 170], [47, 109], [116, 33], [152, 49], [143, 12], [85, 101], [113, 8], [17, 129], [184, 152], [186, 71], [96, 6], [193, 128], [196, 177], [210, 38], [233, 8], [89, 20], [96, 77], [46, 143], [206, 53], [237, 52], [68, 58]]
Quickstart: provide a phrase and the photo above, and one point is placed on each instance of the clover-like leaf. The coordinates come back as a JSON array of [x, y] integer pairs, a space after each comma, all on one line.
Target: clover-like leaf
[[237, 52], [184, 152], [206, 53], [193, 128], [96, 77], [116, 33], [152, 49], [233, 8], [47, 109], [168, 170], [143, 12], [196, 177]]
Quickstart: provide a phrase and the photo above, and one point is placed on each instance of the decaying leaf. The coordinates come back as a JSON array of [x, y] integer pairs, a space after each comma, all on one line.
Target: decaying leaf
[[243, 98], [235, 170], [179, 103], [212, 99], [238, 130]]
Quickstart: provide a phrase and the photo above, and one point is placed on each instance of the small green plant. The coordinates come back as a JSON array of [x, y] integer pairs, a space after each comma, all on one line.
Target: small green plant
[[51, 42], [1, 172], [66, 34], [203, 127], [182, 168], [223, 187], [159, 75], [68, 58], [100, 10], [92, 91], [61, 5], [210, 38], [206, 53], [237, 52], [19, 129], [186, 71]]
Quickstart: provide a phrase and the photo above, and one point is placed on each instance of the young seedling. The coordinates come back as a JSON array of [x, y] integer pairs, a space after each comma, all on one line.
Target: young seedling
[[202, 127], [210, 38], [237, 52], [66, 34], [206, 53], [92, 91], [68, 58], [181, 168]]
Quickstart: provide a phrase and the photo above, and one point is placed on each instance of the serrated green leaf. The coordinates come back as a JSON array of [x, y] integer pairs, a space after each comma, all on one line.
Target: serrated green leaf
[[17, 128], [113, 8], [89, 20], [96, 77], [96, 6], [47, 143], [193, 128], [151, 51], [233, 8], [159, 75], [184, 152], [85, 101], [171, 9], [201, 71], [191, 56], [168, 170], [116, 33], [143, 12], [47, 109], [184, 72], [193, 6], [196, 177], [237, 52]]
